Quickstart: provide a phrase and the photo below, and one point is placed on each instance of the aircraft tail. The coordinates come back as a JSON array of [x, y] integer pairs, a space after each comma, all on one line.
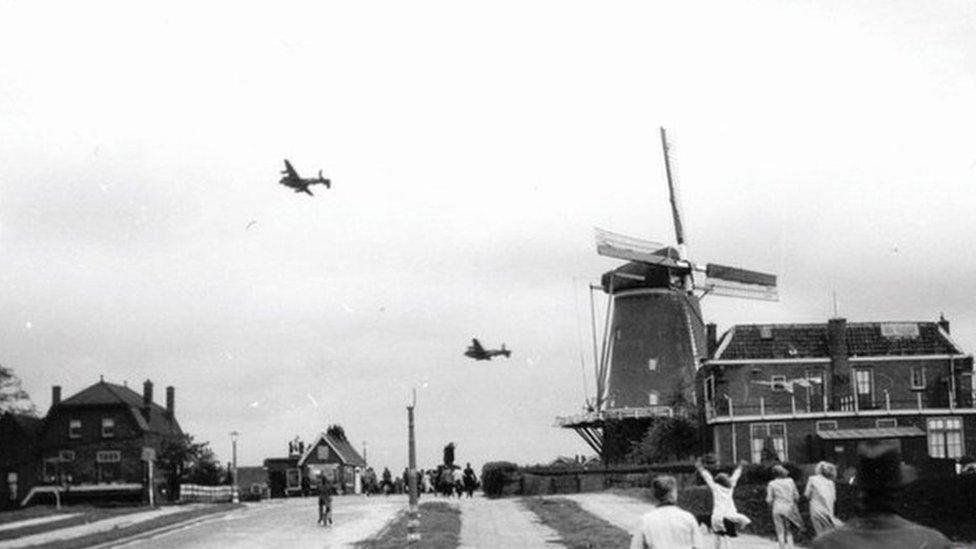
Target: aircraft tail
[[505, 351], [324, 181]]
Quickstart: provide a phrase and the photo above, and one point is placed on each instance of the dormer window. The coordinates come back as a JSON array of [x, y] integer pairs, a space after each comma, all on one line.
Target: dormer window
[[778, 383], [108, 427], [766, 332], [74, 428], [653, 398], [652, 364]]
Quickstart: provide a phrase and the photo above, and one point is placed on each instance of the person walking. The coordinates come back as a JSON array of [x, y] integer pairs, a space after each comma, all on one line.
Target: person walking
[[470, 480], [325, 502], [667, 526], [726, 520], [881, 477], [821, 490], [782, 496]]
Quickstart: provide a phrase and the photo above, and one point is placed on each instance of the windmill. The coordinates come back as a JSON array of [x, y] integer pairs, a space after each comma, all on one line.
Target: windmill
[[654, 336]]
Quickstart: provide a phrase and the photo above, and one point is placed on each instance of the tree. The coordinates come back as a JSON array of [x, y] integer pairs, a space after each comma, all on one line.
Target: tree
[[13, 397], [337, 432], [668, 439], [182, 460]]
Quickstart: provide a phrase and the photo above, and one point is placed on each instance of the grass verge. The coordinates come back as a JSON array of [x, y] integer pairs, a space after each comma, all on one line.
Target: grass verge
[[577, 528], [440, 528], [73, 516], [117, 534]]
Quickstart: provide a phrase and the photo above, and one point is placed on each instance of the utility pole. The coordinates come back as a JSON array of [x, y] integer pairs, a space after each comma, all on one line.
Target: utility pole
[[413, 524], [234, 495]]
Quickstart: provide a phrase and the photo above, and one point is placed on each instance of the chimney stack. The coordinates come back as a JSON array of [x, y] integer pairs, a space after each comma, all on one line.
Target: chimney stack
[[147, 398], [170, 400], [712, 338], [839, 365], [55, 395], [943, 323]]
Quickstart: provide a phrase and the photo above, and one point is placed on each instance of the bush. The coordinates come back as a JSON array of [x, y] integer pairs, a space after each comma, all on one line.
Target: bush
[[494, 475]]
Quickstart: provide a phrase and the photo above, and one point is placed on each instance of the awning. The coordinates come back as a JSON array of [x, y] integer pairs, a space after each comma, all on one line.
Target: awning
[[876, 432]]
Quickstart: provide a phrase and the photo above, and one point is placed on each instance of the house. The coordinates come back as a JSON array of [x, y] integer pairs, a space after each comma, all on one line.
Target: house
[[329, 455], [18, 456], [807, 392], [96, 442]]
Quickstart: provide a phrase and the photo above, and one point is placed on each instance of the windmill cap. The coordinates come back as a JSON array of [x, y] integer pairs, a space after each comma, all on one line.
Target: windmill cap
[[880, 467]]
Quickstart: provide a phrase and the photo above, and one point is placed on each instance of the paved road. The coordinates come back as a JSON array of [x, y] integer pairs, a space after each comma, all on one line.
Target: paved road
[[284, 523]]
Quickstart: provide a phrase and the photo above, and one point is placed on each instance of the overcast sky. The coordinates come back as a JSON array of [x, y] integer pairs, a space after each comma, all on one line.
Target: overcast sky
[[472, 148]]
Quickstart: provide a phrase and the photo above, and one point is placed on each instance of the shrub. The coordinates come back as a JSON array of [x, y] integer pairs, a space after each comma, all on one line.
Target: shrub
[[494, 475]]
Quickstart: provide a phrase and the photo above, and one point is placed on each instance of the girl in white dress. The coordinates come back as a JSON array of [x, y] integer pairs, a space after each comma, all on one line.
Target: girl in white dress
[[726, 520]]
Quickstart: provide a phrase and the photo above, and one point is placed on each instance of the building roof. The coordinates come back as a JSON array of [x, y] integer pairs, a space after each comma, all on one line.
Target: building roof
[[341, 447], [110, 394], [870, 433], [864, 339]]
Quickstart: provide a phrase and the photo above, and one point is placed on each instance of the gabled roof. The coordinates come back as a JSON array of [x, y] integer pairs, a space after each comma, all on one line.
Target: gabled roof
[[342, 448], [864, 339], [110, 394]]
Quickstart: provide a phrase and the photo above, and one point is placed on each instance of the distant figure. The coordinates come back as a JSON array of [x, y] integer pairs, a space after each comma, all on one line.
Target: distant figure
[[325, 502], [667, 526], [880, 478], [822, 493], [726, 520], [782, 496], [428, 485], [470, 480], [458, 482], [387, 485]]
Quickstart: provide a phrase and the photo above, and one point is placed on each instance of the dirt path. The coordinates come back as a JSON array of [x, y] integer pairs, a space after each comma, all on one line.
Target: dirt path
[[491, 523]]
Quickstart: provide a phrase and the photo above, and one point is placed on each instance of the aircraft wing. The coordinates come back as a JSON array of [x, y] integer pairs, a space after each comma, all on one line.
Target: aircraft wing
[[290, 170], [477, 346]]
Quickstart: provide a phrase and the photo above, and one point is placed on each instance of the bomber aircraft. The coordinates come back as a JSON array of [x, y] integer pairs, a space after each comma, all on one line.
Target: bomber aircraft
[[292, 180], [477, 352]]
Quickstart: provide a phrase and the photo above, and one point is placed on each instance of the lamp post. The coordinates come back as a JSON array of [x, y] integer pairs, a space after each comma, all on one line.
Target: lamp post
[[235, 498]]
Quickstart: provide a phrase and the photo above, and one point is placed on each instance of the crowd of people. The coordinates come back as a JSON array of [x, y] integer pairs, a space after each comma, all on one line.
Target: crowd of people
[[879, 478], [443, 480]]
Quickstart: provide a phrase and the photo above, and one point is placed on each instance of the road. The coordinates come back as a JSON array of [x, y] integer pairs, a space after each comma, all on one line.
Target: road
[[283, 523]]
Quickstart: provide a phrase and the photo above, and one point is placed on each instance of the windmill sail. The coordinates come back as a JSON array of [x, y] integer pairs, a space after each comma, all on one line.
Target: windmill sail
[[625, 247], [735, 282]]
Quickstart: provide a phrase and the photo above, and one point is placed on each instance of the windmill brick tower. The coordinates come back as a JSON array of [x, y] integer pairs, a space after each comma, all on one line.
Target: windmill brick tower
[[654, 340]]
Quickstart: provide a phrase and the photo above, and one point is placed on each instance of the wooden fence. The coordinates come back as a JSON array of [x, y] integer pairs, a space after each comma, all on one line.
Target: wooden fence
[[193, 493]]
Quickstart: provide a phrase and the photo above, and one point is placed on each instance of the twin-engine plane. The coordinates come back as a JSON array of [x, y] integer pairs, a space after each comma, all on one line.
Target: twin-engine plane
[[301, 185], [477, 352]]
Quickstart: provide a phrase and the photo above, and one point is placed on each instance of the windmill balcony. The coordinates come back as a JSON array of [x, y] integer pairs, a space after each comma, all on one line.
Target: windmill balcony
[[724, 409]]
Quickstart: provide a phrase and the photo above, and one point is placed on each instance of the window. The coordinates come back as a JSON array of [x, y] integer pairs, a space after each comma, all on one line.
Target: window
[[652, 364], [108, 427], [826, 425], [778, 383], [108, 456], [815, 390], [652, 398], [768, 440], [864, 386], [709, 388], [765, 332], [918, 378], [945, 437], [886, 422], [66, 456], [74, 428]]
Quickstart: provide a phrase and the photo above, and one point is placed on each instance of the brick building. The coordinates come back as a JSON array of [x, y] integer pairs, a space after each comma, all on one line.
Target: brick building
[[806, 392], [93, 444]]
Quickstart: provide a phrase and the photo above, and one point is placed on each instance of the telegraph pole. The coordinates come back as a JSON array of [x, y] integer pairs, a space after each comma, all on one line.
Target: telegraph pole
[[413, 524]]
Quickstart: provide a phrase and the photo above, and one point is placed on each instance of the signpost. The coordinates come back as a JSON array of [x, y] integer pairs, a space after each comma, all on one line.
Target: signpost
[[149, 456]]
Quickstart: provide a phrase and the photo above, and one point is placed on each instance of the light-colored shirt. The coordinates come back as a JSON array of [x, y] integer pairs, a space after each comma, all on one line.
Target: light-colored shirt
[[822, 493], [667, 527], [723, 506], [781, 495]]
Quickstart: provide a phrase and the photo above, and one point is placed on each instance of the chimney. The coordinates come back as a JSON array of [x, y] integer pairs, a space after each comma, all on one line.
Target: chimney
[[839, 366], [55, 395], [147, 398], [943, 323], [170, 400], [712, 338]]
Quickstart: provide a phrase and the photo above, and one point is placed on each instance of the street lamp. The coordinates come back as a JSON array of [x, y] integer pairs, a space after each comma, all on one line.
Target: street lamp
[[235, 498]]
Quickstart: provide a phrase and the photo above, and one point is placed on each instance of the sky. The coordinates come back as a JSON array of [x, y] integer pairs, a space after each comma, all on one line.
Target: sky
[[472, 146]]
